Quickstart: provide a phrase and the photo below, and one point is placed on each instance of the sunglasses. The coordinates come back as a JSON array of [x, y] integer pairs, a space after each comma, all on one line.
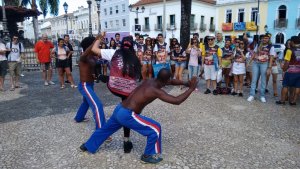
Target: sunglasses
[[15, 38], [210, 39], [176, 47]]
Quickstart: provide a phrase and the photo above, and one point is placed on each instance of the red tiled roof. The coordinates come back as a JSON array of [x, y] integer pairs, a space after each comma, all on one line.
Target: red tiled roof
[[145, 2]]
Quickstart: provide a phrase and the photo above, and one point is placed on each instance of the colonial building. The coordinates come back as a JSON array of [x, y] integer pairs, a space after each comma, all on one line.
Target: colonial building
[[203, 18], [283, 19], [238, 16]]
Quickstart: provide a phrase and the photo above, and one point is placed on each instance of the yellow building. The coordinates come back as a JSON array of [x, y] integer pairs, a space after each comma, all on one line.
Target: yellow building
[[234, 17]]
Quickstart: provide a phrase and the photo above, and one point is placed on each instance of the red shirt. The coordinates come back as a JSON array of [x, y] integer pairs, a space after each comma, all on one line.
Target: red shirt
[[43, 50]]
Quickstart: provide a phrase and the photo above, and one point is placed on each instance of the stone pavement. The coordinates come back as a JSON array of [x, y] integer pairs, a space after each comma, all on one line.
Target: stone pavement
[[206, 131]]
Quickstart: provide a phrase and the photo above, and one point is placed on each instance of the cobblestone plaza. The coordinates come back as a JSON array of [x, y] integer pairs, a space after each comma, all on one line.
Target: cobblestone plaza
[[206, 131]]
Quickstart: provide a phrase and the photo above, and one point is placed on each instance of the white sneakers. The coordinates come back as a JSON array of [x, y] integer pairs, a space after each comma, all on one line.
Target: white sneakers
[[49, 83], [251, 98], [263, 99]]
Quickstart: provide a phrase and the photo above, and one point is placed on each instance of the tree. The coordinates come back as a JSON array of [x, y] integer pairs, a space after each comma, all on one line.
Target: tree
[[44, 5], [186, 8]]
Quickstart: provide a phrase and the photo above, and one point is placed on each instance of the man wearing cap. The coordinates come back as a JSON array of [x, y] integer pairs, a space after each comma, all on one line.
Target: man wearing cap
[[262, 63], [211, 56]]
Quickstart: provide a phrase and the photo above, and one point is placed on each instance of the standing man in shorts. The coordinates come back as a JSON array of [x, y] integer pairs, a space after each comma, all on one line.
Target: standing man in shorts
[[14, 58], [42, 51]]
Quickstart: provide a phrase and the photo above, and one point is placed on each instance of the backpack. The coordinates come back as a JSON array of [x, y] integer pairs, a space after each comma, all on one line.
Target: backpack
[[8, 52]]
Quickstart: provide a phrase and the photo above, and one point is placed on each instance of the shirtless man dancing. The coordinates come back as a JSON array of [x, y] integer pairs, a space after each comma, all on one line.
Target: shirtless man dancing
[[128, 112]]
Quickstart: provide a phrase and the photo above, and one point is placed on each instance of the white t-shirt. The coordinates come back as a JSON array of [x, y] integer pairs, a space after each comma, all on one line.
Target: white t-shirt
[[107, 54], [14, 55], [2, 47], [194, 57], [271, 53], [156, 47]]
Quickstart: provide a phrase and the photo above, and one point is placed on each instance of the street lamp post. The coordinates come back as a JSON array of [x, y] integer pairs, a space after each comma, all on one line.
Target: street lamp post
[[98, 12], [65, 5], [89, 2], [136, 11], [4, 23]]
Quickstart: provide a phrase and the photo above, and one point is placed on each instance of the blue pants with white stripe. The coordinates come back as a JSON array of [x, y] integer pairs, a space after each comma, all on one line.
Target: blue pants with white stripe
[[125, 117], [91, 100]]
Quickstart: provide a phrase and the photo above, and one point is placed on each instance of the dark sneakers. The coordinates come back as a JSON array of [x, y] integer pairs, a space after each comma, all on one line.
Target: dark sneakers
[[233, 93], [280, 102], [241, 95], [127, 146], [83, 148], [215, 92], [152, 159], [207, 91]]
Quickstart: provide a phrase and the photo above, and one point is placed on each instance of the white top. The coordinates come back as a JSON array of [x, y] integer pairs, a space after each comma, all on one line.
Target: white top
[[156, 48], [2, 47], [107, 54], [194, 57], [14, 55], [272, 51], [62, 53]]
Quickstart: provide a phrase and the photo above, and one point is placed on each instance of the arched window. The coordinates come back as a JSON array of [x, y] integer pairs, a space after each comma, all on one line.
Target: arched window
[[282, 12], [279, 38]]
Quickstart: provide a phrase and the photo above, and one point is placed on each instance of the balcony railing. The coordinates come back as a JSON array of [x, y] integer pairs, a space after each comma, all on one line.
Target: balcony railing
[[193, 26], [212, 27], [298, 23], [171, 26], [280, 23], [146, 28], [202, 27], [158, 27]]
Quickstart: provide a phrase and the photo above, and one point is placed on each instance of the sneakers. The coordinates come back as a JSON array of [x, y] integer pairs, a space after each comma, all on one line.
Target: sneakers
[[233, 93], [51, 83], [215, 92], [127, 146], [280, 102], [263, 99], [83, 148], [250, 99], [46, 83], [207, 91], [153, 159], [73, 86], [241, 95]]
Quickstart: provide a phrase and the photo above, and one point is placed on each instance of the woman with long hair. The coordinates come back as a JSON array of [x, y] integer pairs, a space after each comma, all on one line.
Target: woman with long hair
[[62, 54], [112, 44], [239, 68], [179, 56], [195, 55]]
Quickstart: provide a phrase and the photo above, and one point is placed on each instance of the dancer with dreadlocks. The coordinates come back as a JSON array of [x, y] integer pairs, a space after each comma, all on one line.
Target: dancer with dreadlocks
[[125, 70]]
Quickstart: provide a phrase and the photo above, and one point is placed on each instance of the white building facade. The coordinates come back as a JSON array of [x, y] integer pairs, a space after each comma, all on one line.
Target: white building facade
[[203, 18]]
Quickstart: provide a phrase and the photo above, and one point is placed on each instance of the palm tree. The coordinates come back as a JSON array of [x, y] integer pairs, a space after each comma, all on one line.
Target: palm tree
[[44, 5], [186, 7]]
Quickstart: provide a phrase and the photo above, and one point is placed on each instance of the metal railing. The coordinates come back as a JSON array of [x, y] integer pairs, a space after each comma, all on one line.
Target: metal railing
[[146, 28], [171, 26], [212, 27], [280, 23], [29, 63], [193, 26], [158, 27], [202, 27], [298, 23]]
